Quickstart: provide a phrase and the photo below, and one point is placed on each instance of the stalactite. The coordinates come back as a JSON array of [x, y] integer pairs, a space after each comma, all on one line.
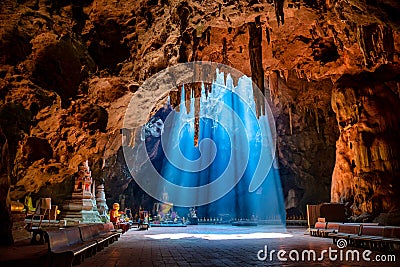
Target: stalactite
[[286, 74], [398, 88], [308, 76], [290, 120], [394, 164], [388, 166], [280, 16], [276, 83], [376, 43], [255, 56], [384, 152], [357, 155], [270, 86], [225, 59], [273, 83], [316, 119], [375, 153], [281, 74], [299, 74], [268, 29], [364, 157]]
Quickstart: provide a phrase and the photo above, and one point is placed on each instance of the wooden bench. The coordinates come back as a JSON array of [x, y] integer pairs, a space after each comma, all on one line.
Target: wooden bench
[[323, 229], [370, 236], [331, 228], [391, 238], [38, 231], [91, 233], [38, 235], [317, 228], [70, 246], [66, 246], [109, 228], [346, 231], [103, 234]]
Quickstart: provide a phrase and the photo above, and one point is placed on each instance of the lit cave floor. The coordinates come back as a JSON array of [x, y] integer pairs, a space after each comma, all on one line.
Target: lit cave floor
[[211, 245]]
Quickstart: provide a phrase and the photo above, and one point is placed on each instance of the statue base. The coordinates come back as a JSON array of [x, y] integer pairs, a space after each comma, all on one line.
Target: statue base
[[78, 205], [82, 216]]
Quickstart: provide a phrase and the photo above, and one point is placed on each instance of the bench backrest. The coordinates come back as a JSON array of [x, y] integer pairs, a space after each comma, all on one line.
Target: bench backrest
[[333, 225], [108, 227], [73, 234], [392, 232], [372, 230], [88, 232], [320, 225], [370, 224], [57, 239], [69, 236], [353, 229]]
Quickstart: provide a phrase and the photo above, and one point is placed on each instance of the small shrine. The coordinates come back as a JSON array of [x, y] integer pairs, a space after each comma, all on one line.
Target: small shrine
[[101, 203], [82, 205]]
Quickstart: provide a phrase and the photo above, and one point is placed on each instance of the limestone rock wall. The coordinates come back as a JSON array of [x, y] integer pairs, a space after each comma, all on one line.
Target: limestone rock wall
[[307, 132], [366, 174]]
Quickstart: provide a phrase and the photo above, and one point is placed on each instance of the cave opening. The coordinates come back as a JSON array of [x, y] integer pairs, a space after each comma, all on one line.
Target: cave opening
[[215, 152]]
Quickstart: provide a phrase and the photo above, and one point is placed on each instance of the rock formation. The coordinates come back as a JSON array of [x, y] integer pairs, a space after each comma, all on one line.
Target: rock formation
[[367, 154]]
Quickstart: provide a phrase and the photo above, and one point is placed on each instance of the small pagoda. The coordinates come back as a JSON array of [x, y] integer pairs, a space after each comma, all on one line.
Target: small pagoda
[[81, 207]]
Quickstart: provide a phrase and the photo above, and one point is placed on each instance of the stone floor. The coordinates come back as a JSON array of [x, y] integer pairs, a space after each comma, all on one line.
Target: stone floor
[[205, 245], [211, 245]]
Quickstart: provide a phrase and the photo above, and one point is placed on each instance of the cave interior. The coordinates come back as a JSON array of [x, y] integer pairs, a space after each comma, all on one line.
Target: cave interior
[[327, 69]]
